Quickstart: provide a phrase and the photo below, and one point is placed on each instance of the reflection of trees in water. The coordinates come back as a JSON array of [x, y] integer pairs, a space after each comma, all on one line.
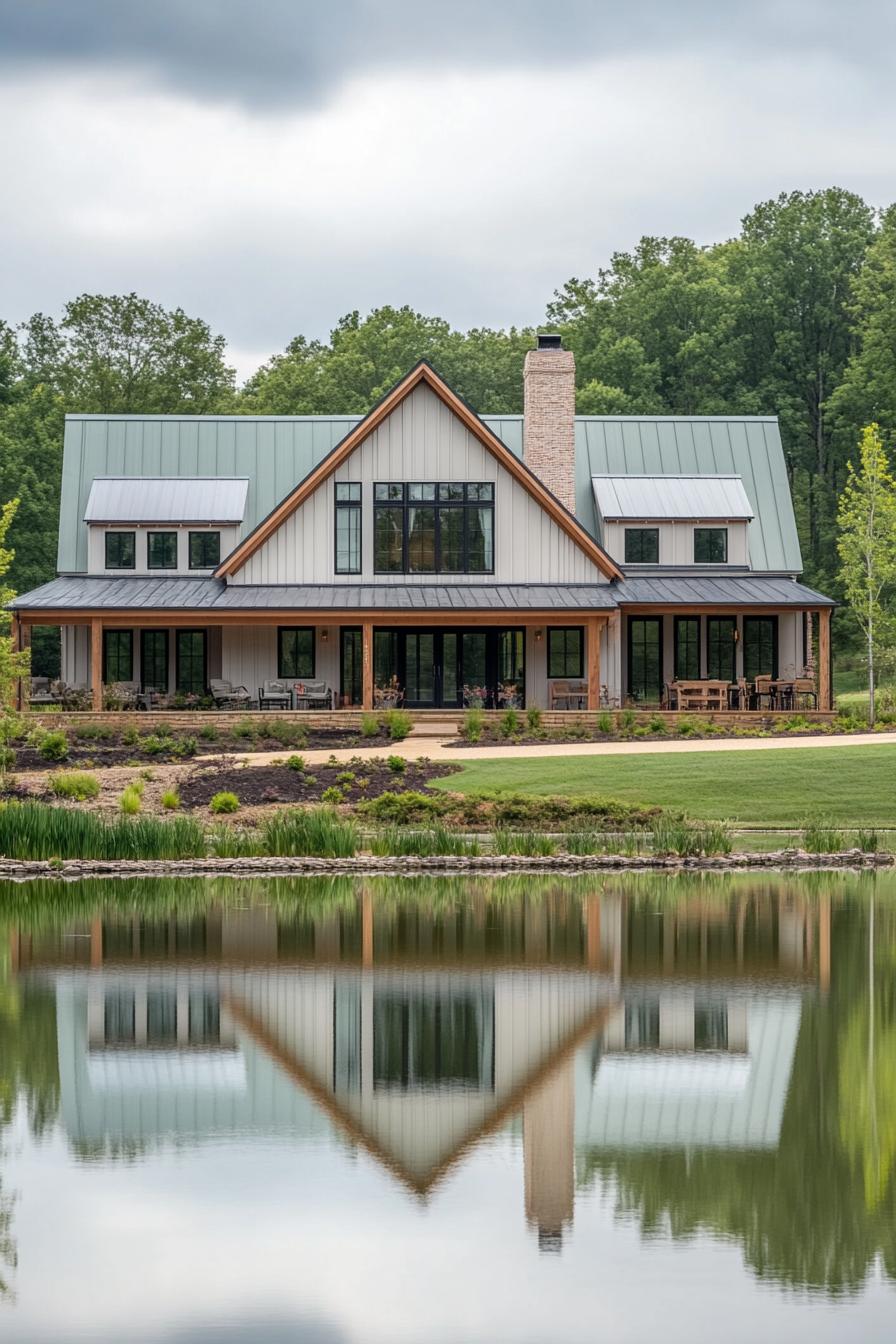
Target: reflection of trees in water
[[817, 1211]]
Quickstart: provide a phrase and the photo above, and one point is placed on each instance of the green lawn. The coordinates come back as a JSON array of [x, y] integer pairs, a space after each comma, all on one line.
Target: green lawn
[[850, 785]]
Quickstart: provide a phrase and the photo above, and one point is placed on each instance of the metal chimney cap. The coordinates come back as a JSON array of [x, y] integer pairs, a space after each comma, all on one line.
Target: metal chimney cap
[[550, 340]]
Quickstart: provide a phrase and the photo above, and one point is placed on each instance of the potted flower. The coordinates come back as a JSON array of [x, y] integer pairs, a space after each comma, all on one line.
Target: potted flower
[[475, 697], [509, 695]]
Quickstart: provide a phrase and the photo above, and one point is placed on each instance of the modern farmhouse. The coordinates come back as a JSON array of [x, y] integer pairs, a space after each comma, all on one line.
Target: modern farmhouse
[[424, 556]]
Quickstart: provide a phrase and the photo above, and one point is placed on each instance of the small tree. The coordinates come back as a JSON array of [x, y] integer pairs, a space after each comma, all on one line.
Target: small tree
[[13, 664], [867, 545]]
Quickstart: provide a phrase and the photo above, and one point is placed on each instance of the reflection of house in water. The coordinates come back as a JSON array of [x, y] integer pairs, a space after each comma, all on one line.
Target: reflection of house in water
[[415, 1029]]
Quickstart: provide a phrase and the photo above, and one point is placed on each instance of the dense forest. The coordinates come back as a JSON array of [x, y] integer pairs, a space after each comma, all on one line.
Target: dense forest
[[796, 316]]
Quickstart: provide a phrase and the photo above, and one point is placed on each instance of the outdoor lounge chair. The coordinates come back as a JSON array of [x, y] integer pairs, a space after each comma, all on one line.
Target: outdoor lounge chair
[[313, 695], [41, 693], [228, 696], [274, 695]]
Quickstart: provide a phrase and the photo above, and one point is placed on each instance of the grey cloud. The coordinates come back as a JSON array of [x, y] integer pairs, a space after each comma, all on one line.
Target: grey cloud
[[271, 53]]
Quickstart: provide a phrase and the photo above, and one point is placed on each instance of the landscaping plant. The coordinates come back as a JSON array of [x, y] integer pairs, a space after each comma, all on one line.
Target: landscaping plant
[[317, 831], [224, 802], [75, 784]]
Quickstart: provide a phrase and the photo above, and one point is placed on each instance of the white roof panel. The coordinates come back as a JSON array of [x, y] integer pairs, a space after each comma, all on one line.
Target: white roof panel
[[167, 499], [655, 497]]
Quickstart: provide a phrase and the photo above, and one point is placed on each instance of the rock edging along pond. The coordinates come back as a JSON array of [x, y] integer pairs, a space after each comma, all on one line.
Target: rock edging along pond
[[787, 859]]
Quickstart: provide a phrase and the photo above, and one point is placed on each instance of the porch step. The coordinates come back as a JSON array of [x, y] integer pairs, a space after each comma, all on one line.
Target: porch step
[[434, 728]]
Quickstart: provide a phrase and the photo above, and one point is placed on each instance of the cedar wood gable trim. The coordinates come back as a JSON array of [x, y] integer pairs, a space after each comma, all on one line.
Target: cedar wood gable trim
[[421, 373]]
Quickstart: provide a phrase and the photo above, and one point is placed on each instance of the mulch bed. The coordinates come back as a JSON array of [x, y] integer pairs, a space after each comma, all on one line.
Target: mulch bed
[[262, 784]]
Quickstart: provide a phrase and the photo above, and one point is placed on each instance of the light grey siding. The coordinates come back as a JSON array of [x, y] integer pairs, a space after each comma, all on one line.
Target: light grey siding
[[677, 541], [422, 440], [249, 655], [96, 548]]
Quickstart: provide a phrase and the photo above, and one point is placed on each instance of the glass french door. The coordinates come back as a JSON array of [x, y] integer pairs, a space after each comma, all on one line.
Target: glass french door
[[190, 656], [645, 659], [350, 670], [420, 669], [760, 646], [446, 669]]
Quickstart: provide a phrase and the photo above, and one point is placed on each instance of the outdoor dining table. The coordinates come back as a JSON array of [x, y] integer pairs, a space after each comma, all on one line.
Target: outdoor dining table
[[705, 694]]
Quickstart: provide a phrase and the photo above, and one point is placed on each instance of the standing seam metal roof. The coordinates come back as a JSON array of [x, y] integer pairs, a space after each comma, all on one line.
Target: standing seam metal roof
[[658, 497], [167, 499]]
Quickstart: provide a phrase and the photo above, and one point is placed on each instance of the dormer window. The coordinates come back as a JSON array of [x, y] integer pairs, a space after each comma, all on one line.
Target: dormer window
[[710, 545], [642, 545], [205, 550], [121, 550], [161, 550]]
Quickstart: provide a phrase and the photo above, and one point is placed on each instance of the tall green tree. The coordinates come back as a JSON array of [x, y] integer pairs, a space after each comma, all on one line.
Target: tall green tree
[[13, 664], [867, 548], [868, 390]]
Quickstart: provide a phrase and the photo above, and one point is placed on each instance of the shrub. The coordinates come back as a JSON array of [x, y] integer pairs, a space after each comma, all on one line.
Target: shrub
[[397, 764], [296, 763], [36, 831], [130, 801], [157, 745], [533, 719], [396, 841], [171, 800], [474, 722], [314, 831], [821, 837], [93, 732], [510, 723], [130, 737], [76, 784], [54, 746], [284, 731], [625, 720], [345, 778], [244, 728], [332, 795], [224, 802], [7, 759], [185, 746], [370, 726], [209, 732], [605, 723], [405, 808], [398, 724], [528, 843], [657, 724]]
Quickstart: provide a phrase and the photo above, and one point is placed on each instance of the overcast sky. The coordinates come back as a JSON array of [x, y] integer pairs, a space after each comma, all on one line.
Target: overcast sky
[[272, 164]]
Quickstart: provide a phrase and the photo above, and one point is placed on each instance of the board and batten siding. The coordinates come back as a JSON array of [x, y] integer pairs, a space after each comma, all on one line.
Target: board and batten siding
[[422, 440], [676, 540]]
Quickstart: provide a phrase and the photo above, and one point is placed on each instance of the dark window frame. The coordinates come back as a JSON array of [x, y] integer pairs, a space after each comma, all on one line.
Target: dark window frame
[[641, 533], [354, 507], [732, 623], [118, 533], [646, 620], [296, 629], [467, 503], [202, 535], [564, 630], [707, 532], [160, 532], [115, 634], [749, 621], [155, 683], [177, 659], [680, 621]]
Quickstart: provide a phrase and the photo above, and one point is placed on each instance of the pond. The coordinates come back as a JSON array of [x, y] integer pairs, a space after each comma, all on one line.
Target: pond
[[510, 1109]]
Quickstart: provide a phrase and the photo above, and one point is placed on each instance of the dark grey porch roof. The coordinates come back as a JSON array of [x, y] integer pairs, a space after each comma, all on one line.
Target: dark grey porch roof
[[98, 593]]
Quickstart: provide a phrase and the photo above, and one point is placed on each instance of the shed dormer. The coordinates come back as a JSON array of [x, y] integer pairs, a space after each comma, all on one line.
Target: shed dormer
[[669, 520], [166, 524]]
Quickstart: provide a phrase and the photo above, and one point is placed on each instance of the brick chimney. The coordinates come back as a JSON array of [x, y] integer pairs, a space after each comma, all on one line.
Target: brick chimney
[[549, 424]]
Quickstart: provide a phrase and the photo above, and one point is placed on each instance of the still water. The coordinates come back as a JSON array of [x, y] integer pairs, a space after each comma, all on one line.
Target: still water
[[517, 1110]]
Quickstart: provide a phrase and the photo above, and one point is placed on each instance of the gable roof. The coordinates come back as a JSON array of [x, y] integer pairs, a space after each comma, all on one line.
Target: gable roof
[[425, 374], [166, 499], [671, 497]]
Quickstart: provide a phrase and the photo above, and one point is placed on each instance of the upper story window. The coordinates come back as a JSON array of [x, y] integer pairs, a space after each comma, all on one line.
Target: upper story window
[[121, 550], [434, 528], [710, 545], [161, 550], [642, 545], [348, 527], [204, 550]]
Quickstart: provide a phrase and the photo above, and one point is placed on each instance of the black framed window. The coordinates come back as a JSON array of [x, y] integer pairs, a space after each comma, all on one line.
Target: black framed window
[[205, 550], [427, 527], [642, 545], [121, 550], [645, 658], [161, 550], [566, 652], [720, 646], [760, 646], [118, 655], [351, 664], [190, 656], [348, 527], [154, 659], [687, 648], [295, 651], [710, 545]]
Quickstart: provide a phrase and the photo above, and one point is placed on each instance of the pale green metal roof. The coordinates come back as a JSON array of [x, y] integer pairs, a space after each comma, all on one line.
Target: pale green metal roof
[[276, 452]]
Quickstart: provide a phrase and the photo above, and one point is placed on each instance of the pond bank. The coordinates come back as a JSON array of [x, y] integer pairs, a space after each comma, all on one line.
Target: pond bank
[[451, 865]]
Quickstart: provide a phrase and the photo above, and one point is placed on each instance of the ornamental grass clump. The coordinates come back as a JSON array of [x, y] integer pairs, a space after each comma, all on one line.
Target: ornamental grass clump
[[130, 801], [75, 784], [473, 725], [397, 842], [398, 723], [370, 726], [171, 800], [230, 842], [685, 839], [224, 802], [822, 837], [317, 832], [528, 844], [38, 831]]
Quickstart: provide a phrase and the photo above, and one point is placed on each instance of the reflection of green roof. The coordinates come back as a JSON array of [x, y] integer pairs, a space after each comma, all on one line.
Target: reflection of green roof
[[276, 452]]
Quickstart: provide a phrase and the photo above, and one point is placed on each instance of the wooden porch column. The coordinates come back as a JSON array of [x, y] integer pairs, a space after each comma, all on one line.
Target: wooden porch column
[[367, 665], [824, 658], [594, 664], [96, 662]]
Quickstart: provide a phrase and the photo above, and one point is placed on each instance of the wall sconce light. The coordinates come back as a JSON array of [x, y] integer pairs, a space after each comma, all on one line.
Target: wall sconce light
[[324, 636], [539, 636], [736, 635]]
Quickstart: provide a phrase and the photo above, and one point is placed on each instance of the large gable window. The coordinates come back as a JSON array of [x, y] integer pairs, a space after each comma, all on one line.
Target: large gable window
[[121, 550], [710, 545], [426, 527]]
